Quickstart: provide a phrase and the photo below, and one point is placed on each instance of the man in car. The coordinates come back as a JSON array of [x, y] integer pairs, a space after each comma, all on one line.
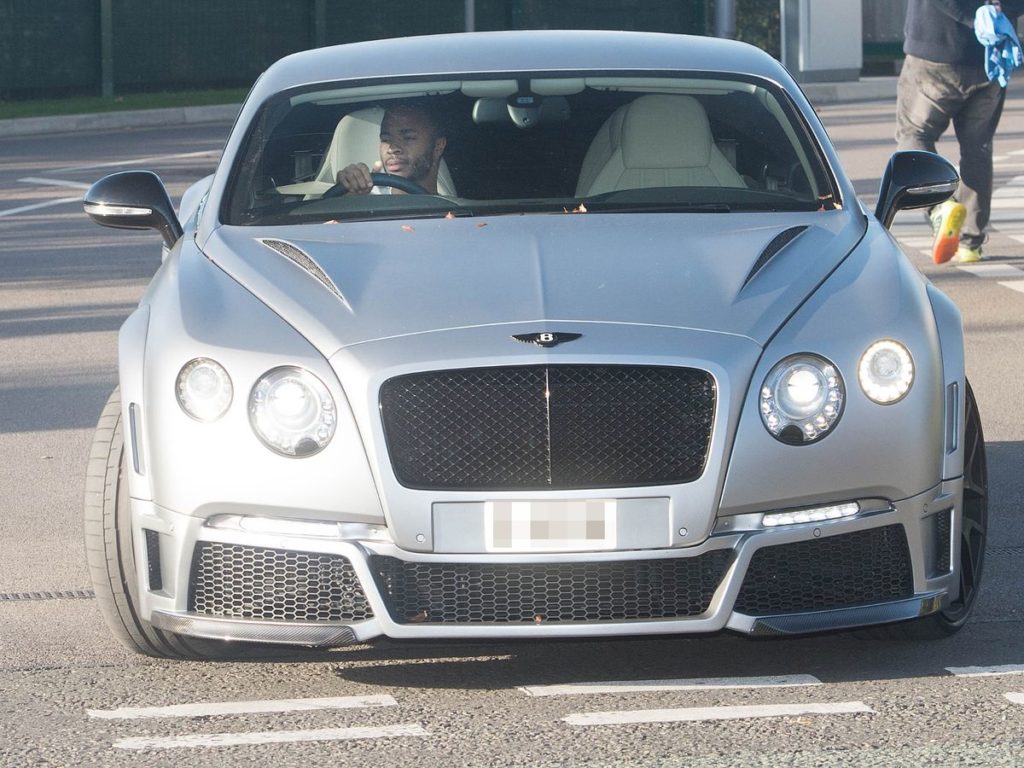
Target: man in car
[[411, 145]]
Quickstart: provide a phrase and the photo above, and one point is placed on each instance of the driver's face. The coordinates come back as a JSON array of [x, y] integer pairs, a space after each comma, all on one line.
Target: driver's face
[[409, 145]]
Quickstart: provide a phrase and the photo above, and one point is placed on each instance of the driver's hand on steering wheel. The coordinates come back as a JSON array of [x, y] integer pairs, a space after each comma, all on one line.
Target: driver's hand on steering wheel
[[355, 178]]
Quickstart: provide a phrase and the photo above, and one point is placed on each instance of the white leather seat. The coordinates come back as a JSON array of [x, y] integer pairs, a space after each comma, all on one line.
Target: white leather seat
[[357, 140], [657, 140]]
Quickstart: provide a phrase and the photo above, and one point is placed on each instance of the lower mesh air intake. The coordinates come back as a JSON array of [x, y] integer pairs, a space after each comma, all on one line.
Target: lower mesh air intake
[[243, 582], [871, 566], [474, 593]]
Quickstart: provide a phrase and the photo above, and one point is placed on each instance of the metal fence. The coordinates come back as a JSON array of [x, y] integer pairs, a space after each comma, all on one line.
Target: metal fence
[[62, 47]]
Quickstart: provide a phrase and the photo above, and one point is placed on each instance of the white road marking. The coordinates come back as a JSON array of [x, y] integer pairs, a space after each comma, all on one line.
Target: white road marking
[[694, 684], [270, 737], [1004, 669], [1016, 698], [918, 242], [992, 271], [140, 161], [1015, 285], [54, 182], [697, 714], [1006, 203], [205, 709], [37, 206]]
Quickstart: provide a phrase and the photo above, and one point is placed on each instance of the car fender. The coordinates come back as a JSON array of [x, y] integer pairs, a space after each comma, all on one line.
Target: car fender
[[889, 451], [193, 309]]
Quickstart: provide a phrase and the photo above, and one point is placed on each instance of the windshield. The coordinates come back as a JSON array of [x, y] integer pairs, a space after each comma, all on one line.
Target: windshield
[[526, 144]]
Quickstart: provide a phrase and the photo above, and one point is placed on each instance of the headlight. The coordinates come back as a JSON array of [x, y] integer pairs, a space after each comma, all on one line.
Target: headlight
[[801, 399], [292, 412], [203, 389], [886, 371]]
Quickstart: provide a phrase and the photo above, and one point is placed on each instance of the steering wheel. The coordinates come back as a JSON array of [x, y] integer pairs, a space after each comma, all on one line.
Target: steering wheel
[[381, 180]]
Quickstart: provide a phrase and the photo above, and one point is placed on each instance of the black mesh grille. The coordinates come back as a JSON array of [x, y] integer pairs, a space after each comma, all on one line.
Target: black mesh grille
[[473, 593], [154, 573], [852, 569], [241, 582], [943, 530], [545, 427]]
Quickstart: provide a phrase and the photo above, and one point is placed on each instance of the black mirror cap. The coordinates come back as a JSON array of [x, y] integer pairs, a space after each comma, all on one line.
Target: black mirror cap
[[914, 179], [133, 200]]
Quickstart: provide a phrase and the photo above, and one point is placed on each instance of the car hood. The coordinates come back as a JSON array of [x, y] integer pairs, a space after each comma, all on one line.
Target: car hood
[[350, 283]]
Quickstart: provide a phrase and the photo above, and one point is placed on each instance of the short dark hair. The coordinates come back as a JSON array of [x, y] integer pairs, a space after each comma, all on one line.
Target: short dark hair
[[426, 108]]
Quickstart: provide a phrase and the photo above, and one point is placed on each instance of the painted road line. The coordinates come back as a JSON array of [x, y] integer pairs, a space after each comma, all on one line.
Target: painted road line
[[1015, 285], [213, 153], [1007, 203], [1016, 698], [694, 684], [54, 182], [37, 206], [991, 271], [205, 709], [918, 242], [698, 714], [269, 737], [1004, 669]]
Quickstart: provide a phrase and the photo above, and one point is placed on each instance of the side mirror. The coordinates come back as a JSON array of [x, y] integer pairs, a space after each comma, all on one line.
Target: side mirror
[[914, 179], [133, 200]]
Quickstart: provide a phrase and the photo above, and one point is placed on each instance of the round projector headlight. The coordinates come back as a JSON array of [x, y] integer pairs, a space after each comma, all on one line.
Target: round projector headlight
[[203, 389], [802, 399], [886, 371], [292, 412]]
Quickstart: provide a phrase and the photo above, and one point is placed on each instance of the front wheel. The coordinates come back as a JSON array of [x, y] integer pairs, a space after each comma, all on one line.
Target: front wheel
[[110, 553], [973, 536]]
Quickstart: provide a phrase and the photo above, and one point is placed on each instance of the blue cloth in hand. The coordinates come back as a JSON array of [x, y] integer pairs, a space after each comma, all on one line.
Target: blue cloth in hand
[[1002, 47]]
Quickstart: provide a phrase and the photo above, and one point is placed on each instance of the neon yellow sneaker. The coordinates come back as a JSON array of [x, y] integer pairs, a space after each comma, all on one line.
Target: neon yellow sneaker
[[947, 219], [967, 255]]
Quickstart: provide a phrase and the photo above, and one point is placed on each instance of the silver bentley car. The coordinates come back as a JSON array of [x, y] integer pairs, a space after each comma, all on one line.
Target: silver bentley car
[[610, 347]]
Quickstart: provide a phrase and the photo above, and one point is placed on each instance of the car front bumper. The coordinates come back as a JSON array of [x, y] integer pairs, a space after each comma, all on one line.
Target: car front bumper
[[892, 564]]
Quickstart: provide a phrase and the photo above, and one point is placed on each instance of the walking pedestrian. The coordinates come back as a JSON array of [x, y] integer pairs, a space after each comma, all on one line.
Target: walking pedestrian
[[944, 80]]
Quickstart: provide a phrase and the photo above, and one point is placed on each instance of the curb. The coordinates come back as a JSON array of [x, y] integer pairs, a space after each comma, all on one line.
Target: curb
[[866, 89], [819, 94], [105, 121]]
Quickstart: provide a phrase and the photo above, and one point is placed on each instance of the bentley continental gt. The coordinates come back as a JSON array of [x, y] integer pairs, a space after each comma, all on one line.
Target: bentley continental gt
[[609, 348]]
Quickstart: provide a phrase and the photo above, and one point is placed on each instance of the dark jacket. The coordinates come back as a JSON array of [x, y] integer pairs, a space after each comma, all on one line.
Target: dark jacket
[[943, 30]]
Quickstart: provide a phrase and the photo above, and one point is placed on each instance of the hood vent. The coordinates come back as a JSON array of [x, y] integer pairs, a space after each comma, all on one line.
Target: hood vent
[[780, 241], [304, 261]]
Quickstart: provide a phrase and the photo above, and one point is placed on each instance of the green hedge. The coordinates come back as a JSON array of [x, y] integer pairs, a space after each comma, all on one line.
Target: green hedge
[[55, 47]]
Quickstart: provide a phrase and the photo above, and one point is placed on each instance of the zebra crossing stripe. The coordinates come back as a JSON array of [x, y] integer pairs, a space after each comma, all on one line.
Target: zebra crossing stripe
[[694, 684], [993, 271], [697, 714], [269, 737], [206, 709]]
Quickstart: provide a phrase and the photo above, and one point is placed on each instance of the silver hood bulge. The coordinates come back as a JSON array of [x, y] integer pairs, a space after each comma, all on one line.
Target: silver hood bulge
[[398, 278]]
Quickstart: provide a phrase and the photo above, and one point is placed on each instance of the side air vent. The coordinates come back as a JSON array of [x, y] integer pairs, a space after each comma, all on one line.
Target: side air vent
[[780, 241], [304, 261], [155, 574]]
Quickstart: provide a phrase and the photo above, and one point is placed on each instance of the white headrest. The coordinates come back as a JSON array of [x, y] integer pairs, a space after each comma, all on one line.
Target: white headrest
[[665, 131]]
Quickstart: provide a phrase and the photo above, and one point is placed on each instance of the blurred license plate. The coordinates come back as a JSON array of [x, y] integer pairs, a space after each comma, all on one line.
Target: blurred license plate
[[549, 526]]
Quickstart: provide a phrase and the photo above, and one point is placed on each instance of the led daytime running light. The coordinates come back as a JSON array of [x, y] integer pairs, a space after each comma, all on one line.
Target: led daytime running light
[[815, 515]]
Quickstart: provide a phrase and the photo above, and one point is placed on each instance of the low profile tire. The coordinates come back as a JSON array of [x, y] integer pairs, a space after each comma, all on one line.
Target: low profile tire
[[109, 551], [973, 538]]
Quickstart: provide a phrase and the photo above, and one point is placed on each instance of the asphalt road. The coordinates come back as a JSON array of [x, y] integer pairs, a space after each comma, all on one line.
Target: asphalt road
[[65, 287]]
